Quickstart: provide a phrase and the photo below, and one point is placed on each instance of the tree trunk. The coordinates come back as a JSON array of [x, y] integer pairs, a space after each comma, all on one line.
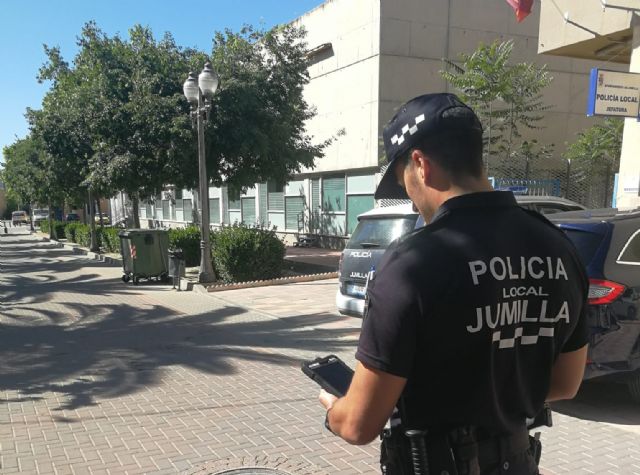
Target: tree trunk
[[52, 228], [135, 205], [93, 246], [99, 212]]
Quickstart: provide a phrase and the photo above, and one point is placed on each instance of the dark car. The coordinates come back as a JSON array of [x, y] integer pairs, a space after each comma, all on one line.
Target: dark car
[[377, 228], [548, 204], [72, 217], [608, 242]]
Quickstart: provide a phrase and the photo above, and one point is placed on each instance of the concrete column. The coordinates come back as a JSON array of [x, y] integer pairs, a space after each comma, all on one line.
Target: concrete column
[[629, 178]]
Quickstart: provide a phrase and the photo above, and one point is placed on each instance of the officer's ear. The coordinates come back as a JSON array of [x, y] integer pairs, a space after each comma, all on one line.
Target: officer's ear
[[423, 166]]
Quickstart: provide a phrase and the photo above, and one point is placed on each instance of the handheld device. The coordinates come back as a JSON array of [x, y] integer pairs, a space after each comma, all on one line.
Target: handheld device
[[330, 372]]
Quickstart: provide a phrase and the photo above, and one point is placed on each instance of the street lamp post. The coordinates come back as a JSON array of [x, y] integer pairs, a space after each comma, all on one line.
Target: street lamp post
[[199, 91]]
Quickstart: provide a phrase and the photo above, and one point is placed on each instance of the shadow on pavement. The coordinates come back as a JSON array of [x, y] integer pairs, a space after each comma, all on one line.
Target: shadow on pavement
[[602, 402], [85, 351]]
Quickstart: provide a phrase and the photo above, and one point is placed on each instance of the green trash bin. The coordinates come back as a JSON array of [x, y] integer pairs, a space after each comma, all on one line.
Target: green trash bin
[[144, 254]]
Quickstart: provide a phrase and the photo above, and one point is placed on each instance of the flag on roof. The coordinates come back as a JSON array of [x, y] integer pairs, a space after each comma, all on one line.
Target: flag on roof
[[521, 7]]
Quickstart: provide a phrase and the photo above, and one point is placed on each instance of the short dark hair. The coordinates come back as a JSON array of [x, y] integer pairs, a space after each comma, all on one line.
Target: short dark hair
[[458, 150]]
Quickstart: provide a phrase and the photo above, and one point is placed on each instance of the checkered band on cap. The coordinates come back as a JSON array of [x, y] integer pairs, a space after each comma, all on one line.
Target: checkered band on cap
[[398, 139]]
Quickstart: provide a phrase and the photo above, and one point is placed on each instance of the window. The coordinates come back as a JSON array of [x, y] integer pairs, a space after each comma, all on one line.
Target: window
[[234, 213], [165, 210], [360, 189], [333, 194], [357, 204], [631, 252], [248, 211], [294, 212], [275, 196], [214, 210], [180, 210], [187, 209]]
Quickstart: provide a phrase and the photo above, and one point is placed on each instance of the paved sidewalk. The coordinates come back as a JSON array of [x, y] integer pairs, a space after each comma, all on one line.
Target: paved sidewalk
[[97, 376]]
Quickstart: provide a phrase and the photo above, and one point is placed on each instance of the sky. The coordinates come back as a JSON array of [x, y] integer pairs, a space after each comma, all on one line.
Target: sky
[[26, 26]]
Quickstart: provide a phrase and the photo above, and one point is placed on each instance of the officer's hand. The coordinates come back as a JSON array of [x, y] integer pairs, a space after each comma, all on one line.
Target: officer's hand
[[326, 399]]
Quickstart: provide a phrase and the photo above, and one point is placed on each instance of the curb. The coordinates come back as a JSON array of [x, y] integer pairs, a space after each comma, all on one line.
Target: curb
[[265, 283], [82, 251]]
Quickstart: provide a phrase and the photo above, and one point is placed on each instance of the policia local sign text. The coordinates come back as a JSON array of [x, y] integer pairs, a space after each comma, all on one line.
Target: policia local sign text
[[613, 93]]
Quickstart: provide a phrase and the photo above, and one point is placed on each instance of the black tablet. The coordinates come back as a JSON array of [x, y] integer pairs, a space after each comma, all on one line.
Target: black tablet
[[331, 373]]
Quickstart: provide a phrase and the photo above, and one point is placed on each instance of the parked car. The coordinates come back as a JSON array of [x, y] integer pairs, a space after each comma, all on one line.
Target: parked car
[[608, 242], [72, 217], [548, 204], [18, 218], [39, 215], [105, 219], [377, 228]]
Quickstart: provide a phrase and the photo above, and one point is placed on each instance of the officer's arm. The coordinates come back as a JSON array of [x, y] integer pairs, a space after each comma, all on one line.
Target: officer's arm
[[362, 413], [567, 374]]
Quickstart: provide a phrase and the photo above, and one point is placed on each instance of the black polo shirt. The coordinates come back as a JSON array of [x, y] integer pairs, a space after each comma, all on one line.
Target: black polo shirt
[[473, 310]]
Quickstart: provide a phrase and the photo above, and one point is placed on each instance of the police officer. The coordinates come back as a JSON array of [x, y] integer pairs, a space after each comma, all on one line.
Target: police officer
[[473, 322]]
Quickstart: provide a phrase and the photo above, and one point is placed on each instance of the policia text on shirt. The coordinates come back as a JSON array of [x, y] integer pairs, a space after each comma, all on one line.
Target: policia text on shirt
[[473, 322]]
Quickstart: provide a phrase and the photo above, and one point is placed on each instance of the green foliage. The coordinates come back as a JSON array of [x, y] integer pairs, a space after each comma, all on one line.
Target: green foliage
[[598, 148], [45, 226], [70, 231], [83, 235], [507, 97], [109, 239], [59, 228], [26, 171], [187, 239], [241, 253]]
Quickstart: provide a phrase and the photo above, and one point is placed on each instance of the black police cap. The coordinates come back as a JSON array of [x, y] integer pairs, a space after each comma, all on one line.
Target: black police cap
[[422, 117]]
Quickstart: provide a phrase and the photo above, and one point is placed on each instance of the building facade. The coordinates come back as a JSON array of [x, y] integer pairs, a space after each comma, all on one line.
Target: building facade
[[366, 58], [603, 33]]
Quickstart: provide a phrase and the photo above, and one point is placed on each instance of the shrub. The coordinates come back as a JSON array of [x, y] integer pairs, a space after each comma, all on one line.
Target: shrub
[[83, 235], [241, 253], [108, 238], [70, 231], [187, 239], [45, 226], [59, 228]]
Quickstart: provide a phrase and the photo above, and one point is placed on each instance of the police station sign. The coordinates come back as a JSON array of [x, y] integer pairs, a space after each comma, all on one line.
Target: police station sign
[[613, 93]]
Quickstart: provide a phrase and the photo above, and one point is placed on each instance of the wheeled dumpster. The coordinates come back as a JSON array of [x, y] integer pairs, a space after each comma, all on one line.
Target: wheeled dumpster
[[144, 254]]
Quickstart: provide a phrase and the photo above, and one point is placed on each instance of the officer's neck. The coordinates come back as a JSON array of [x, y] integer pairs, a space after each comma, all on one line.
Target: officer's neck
[[449, 189]]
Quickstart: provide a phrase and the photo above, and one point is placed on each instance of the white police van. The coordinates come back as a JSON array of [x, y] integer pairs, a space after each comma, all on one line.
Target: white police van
[[376, 229]]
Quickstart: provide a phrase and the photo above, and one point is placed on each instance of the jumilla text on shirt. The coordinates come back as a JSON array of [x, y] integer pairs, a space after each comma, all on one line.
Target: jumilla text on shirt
[[509, 312]]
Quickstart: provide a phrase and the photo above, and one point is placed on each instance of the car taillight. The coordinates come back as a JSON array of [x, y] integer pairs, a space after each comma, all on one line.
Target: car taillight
[[340, 264], [603, 292]]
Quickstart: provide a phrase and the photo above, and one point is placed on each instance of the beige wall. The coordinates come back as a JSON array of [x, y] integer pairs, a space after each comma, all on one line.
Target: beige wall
[[386, 51], [629, 159], [415, 38], [579, 29], [344, 81], [569, 27]]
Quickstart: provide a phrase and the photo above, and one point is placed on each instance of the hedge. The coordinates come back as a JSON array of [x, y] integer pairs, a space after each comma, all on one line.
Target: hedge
[[187, 239], [242, 253]]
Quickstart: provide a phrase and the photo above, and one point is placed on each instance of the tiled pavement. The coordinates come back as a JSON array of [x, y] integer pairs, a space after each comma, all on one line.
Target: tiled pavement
[[101, 377]]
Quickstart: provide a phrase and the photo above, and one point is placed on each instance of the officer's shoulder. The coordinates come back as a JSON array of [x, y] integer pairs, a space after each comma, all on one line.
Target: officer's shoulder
[[544, 221]]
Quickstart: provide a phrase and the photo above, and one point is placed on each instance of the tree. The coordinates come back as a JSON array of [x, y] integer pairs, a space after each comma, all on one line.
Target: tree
[[117, 119], [507, 97], [598, 148]]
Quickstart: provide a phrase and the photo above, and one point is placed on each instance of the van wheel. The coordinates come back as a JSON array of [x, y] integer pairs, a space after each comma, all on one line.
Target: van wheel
[[634, 387]]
